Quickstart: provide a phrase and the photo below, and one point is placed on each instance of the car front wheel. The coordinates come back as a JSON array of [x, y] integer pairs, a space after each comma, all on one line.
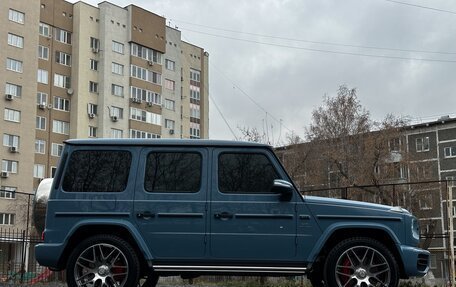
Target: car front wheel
[[103, 261], [362, 262]]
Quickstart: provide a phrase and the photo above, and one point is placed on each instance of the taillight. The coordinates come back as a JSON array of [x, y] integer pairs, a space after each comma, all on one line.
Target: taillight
[[42, 236]]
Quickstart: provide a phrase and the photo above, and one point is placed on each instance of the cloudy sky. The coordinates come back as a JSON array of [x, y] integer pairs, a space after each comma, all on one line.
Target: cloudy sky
[[272, 61]]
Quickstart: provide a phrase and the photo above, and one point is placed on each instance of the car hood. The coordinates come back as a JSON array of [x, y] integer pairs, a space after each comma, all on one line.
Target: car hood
[[343, 207]]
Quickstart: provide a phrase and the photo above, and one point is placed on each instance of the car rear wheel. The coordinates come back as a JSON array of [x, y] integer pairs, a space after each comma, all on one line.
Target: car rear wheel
[[103, 261], [361, 262]]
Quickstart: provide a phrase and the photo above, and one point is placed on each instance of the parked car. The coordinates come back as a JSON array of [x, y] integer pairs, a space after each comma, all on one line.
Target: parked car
[[121, 210]]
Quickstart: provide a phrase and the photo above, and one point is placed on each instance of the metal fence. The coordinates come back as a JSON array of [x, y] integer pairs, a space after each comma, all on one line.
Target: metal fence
[[426, 200]]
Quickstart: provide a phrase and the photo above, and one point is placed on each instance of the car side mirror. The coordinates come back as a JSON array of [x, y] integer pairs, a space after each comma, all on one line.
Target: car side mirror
[[284, 188]]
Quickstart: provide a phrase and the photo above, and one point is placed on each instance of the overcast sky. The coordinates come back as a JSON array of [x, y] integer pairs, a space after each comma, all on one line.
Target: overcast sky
[[265, 52]]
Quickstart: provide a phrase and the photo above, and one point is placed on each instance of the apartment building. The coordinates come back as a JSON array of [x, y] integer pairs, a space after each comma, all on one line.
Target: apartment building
[[80, 71]]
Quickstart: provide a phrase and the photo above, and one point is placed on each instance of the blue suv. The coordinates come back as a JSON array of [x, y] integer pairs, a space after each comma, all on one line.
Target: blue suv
[[122, 210]]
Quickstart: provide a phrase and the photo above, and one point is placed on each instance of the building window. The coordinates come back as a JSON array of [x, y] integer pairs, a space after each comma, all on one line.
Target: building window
[[42, 77], [195, 93], [57, 149], [14, 65], [43, 52], [53, 171], [194, 133], [146, 53], [8, 192], [9, 166], [194, 111], [61, 104], [116, 134], [117, 112], [146, 75], [170, 85], [62, 81], [117, 69], [40, 146], [170, 65], [45, 30], [450, 151], [117, 90], [41, 123], [92, 109], [394, 145], [94, 43], [145, 116], [41, 98], [39, 170], [451, 181], [145, 95], [61, 127], [16, 16], [62, 36], [63, 58], [12, 115], [169, 124], [12, 89], [15, 40], [93, 65], [92, 132], [136, 134], [10, 140], [422, 144], [93, 87], [117, 47], [170, 105], [194, 76], [7, 218]]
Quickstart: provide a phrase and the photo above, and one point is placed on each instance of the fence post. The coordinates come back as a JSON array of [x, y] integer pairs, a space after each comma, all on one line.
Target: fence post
[[451, 231]]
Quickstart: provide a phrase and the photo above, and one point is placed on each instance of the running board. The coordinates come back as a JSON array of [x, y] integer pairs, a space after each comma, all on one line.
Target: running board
[[229, 269]]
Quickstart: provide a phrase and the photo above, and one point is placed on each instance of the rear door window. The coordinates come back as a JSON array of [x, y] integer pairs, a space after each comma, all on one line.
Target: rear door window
[[97, 171], [173, 172]]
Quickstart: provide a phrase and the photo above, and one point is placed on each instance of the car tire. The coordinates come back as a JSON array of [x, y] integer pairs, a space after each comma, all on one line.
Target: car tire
[[360, 261], [104, 259]]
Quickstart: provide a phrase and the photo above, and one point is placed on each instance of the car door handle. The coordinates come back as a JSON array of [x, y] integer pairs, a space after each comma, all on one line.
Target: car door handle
[[145, 215], [223, 215]]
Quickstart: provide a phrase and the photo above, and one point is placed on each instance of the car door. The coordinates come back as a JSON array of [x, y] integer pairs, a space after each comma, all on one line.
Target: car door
[[170, 201], [248, 222]]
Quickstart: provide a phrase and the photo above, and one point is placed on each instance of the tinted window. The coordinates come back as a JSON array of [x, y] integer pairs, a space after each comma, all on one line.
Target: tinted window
[[173, 172], [97, 171], [245, 173]]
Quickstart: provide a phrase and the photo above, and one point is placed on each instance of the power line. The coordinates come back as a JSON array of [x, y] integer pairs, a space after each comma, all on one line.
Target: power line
[[422, 7], [321, 42], [223, 117], [322, 50], [251, 99]]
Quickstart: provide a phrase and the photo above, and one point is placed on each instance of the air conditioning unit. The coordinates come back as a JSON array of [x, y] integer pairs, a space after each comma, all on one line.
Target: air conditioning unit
[[171, 132], [149, 104], [114, 118], [42, 106], [13, 149], [70, 91], [150, 63], [9, 97], [4, 174], [138, 100], [95, 50], [91, 116]]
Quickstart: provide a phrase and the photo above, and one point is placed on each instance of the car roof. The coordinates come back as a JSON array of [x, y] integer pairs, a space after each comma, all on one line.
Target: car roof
[[165, 142]]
